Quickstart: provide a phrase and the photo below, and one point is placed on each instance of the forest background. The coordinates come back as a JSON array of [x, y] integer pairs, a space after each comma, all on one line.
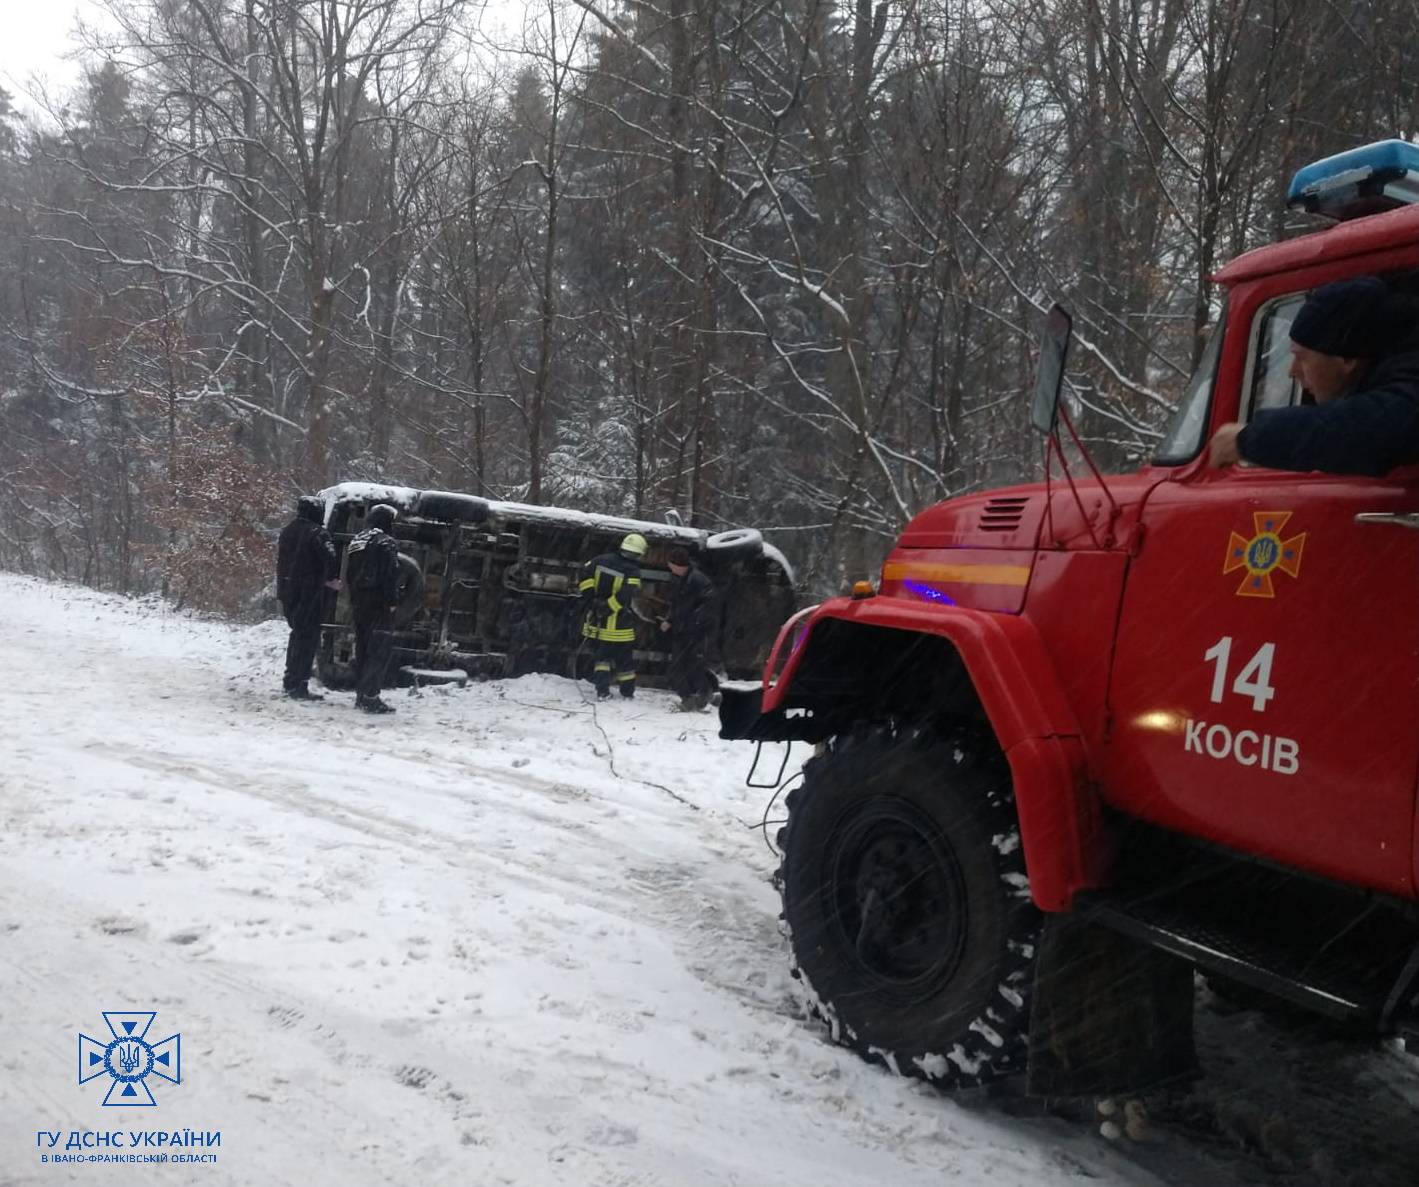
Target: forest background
[[770, 263]]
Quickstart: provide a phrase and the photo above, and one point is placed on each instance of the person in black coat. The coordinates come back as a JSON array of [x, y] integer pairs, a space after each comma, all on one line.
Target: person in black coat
[[372, 577], [688, 624], [306, 564], [1355, 350]]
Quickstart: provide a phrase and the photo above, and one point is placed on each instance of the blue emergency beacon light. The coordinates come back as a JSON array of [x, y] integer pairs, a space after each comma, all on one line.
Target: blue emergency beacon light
[[1367, 180]]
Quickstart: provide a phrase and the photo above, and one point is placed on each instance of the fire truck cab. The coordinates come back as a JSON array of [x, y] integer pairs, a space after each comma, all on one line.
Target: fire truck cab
[[1084, 738]]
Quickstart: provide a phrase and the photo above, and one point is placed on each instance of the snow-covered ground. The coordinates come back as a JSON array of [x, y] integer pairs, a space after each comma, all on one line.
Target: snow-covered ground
[[505, 936]]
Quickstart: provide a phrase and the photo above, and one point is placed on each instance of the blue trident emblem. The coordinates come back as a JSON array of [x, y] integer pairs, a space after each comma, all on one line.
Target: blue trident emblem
[[128, 1058]]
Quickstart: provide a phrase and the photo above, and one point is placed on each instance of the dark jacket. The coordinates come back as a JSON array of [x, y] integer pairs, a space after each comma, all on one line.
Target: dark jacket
[[305, 560], [691, 603], [1370, 431], [609, 584], [372, 569]]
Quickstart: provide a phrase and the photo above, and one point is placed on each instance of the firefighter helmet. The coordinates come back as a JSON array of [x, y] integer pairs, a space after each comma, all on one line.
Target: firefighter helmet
[[634, 544]]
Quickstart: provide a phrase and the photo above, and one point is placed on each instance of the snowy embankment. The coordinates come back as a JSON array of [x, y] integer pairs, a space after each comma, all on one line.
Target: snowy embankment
[[505, 936]]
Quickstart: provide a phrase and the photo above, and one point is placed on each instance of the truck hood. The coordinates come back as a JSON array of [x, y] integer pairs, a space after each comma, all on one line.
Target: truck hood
[[979, 550], [1014, 517], [1009, 518]]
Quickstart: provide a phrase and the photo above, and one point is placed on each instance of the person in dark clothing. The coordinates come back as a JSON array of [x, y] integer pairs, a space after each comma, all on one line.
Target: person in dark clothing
[[688, 625], [306, 565], [372, 577], [1355, 351], [609, 584]]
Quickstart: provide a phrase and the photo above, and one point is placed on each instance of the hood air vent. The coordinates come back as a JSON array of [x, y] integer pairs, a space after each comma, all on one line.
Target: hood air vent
[[1003, 514]]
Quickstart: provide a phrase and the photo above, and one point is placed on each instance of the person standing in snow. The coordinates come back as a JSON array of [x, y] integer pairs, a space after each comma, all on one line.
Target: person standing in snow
[[609, 583], [306, 565], [372, 576], [688, 625]]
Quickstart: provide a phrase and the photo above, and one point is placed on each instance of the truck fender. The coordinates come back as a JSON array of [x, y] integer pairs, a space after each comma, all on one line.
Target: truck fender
[[1012, 675]]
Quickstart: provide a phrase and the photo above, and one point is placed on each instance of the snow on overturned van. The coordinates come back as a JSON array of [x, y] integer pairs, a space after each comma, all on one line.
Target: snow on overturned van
[[489, 589]]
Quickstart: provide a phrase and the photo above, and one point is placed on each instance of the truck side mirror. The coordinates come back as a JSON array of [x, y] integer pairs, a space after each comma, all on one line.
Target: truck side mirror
[[1049, 378]]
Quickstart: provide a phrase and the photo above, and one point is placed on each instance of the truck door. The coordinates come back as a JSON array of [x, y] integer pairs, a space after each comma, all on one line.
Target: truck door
[[1265, 685]]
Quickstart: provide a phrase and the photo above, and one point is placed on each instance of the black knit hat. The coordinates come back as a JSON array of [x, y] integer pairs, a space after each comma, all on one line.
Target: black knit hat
[[1353, 319]]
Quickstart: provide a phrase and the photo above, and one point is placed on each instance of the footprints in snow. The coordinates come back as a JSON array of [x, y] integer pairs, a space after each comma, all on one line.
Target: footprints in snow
[[625, 1021], [120, 925], [187, 936], [126, 925], [284, 1017], [413, 1077]]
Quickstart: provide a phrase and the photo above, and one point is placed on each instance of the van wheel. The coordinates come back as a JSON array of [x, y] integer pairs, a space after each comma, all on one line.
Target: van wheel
[[907, 906], [449, 505], [737, 542]]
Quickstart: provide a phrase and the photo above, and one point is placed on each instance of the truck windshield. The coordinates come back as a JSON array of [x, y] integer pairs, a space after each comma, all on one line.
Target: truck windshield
[[1183, 436]]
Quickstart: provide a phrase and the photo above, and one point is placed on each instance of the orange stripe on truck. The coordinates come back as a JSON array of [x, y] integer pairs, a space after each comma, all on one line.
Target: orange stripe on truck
[[962, 573]]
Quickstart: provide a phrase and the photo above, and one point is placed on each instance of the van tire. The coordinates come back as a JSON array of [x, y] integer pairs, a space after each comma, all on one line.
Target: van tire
[[737, 542], [442, 504]]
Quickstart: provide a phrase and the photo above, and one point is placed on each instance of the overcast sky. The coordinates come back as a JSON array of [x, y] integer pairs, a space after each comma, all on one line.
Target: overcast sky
[[37, 37], [34, 39]]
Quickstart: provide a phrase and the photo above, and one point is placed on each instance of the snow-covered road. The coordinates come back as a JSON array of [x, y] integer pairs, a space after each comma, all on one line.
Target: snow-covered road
[[502, 937]]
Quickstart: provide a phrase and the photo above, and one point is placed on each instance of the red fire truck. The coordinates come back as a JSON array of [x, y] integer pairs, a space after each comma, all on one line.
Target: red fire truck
[[1087, 736]]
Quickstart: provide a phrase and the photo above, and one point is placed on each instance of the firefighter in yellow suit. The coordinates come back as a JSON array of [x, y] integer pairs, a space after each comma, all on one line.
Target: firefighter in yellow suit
[[609, 583]]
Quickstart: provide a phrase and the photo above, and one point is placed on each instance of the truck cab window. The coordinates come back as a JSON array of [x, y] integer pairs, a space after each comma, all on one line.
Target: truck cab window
[[1183, 436], [1271, 385]]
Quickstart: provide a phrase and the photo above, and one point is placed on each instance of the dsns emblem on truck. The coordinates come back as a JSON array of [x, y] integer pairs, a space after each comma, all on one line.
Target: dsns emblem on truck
[[128, 1058], [1265, 553]]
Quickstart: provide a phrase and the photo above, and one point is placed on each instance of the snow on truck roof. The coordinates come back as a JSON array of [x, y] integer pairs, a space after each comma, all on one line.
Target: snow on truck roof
[[406, 498]]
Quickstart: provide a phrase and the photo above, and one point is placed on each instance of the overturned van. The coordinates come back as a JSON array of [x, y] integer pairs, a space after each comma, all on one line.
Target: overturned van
[[489, 589]]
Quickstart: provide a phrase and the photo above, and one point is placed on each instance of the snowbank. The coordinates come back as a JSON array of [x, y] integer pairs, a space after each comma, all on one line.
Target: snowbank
[[506, 936]]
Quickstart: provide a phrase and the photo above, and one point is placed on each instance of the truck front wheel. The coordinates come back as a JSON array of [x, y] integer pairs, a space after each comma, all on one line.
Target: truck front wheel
[[907, 907]]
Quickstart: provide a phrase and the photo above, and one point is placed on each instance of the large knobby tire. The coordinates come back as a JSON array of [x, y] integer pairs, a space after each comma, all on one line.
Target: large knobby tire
[[907, 906]]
